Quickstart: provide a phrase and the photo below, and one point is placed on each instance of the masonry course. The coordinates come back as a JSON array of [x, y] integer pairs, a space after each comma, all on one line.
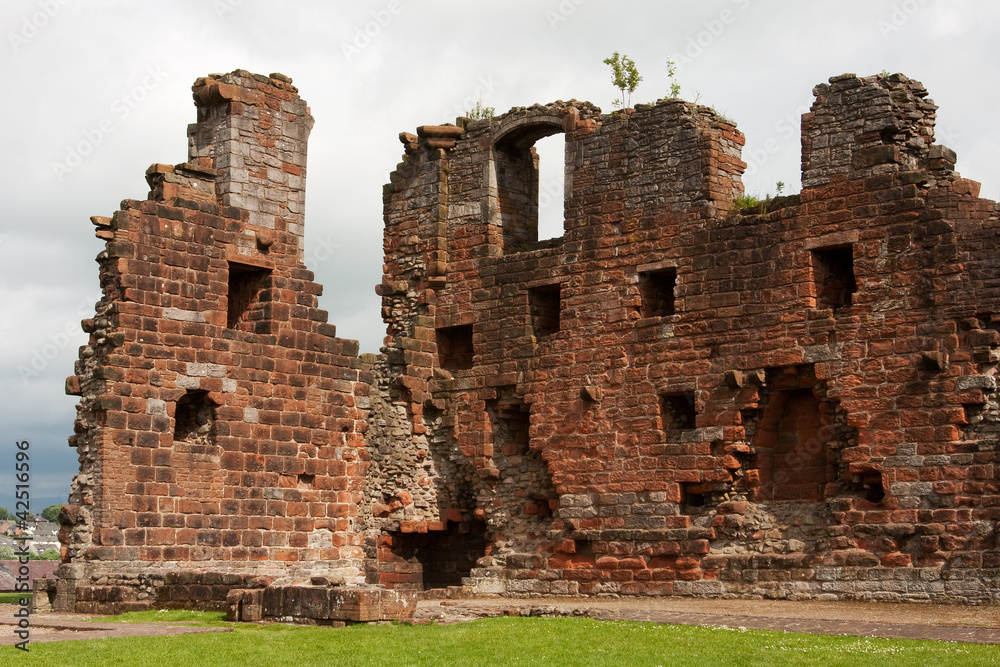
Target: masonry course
[[678, 396]]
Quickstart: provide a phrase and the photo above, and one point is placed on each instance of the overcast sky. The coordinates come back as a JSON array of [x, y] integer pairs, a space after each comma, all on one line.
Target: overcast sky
[[97, 90]]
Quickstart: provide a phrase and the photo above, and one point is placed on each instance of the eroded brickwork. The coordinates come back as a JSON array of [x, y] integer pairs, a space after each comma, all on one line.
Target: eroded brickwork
[[675, 397], [219, 433], [679, 397]]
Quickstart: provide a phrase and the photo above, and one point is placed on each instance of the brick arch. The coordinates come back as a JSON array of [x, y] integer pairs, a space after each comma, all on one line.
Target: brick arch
[[526, 128]]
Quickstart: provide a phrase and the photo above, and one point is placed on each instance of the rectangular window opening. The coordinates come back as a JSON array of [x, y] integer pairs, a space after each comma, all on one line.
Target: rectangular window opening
[[544, 302], [833, 275], [454, 345], [246, 284], [530, 188], [656, 292]]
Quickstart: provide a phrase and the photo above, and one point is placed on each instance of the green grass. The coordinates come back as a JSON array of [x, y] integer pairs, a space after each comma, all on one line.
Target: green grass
[[13, 598], [500, 641]]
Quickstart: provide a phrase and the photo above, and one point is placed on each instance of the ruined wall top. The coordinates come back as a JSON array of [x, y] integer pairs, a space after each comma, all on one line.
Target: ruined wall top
[[247, 151], [859, 127]]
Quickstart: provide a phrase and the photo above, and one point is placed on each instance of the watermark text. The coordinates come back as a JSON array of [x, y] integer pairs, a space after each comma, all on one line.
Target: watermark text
[[121, 108], [22, 512], [32, 24]]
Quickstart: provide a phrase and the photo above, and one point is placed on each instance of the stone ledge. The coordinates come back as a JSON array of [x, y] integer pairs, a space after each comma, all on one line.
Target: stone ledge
[[315, 604]]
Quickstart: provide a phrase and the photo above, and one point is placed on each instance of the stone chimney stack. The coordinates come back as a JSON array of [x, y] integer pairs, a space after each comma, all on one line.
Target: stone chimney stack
[[252, 133]]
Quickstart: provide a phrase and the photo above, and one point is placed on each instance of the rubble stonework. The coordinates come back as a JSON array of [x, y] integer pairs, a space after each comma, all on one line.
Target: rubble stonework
[[678, 396], [793, 400]]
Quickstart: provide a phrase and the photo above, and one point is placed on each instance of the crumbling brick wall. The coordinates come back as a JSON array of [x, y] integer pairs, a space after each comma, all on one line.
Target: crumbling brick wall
[[219, 432], [676, 396], [797, 400]]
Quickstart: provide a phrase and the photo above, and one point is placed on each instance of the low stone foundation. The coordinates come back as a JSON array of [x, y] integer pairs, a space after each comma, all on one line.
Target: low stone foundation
[[110, 594], [754, 576], [321, 605]]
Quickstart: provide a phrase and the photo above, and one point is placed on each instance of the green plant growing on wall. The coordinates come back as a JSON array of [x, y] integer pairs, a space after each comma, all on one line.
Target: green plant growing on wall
[[724, 116], [479, 112], [748, 201], [624, 76], [675, 88], [745, 201]]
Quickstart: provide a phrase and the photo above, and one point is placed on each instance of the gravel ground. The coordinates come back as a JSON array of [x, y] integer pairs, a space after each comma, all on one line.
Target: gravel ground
[[867, 619], [50, 627]]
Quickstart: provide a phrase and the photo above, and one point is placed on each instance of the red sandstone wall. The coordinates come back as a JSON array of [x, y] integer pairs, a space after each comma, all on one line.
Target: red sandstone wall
[[813, 415], [675, 397], [218, 426]]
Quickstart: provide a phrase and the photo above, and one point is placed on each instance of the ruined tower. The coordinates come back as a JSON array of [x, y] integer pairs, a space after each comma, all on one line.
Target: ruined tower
[[218, 429]]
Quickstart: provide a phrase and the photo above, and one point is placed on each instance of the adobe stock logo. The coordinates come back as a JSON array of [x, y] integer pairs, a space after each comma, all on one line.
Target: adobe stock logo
[[363, 35], [562, 12], [899, 17], [713, 30], [33, 24], [223, 7], [786, 130], [326, 248]]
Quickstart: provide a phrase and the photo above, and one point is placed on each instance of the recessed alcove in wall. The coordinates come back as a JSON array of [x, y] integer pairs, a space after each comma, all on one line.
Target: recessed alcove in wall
[[194, 418], [791, 455], [195, 457], [656, 291], [454, 345], [545, 302], [245, 308], [677, 414], [833, 276], [434, 559]]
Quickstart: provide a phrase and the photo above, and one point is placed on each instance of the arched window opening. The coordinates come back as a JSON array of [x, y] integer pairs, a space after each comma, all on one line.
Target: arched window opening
[[529, 190]]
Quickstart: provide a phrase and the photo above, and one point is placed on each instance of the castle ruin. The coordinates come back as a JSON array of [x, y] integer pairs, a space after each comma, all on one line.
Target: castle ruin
[[678, 396]]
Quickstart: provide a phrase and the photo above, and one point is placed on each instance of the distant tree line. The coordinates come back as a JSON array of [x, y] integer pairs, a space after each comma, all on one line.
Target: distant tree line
[[50, 513]]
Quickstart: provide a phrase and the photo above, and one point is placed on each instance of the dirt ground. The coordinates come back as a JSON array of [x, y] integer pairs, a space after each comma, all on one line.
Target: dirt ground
[[915, 621], [50, 627]]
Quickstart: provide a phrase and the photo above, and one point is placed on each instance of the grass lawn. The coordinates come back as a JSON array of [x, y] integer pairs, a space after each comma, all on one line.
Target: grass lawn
[[496, 641], [13, 598]]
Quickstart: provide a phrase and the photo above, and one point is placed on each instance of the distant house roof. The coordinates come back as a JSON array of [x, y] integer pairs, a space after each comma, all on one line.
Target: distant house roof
[[37, 569], [46, 528]]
